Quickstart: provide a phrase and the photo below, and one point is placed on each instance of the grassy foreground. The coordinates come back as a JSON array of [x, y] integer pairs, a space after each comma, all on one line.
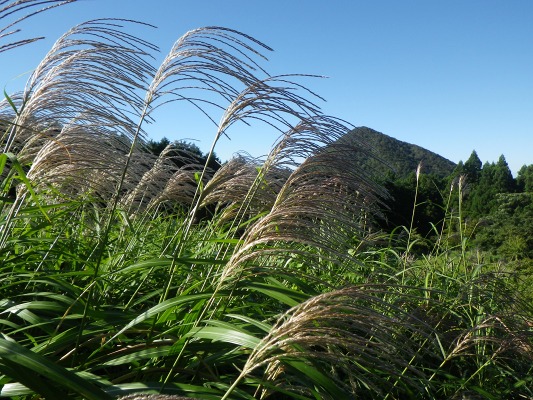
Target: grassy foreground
[[121, 272]]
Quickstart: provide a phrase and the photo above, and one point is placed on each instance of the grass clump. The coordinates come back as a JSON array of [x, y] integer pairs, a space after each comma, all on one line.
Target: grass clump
[[125, 272]]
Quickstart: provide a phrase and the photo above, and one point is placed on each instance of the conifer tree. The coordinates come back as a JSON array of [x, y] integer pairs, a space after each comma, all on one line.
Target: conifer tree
[[458, 171], [503, 178], [482, 193], [494, 179], [524, 179], [472, 168]]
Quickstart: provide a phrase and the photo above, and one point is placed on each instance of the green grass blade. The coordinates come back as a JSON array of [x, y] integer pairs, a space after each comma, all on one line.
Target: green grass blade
[[261, 325], [318, 378], [33, 383], [14, 389], [159, 308], [22, 176], [277, 291], [33, 364], [139, 356], [226, 334], [10, 102]]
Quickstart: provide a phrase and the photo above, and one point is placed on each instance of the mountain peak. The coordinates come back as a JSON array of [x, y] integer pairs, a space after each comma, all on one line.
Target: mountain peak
[[396, 156]]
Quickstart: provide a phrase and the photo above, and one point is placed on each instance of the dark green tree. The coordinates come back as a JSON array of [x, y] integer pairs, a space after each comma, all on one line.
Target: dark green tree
[[480, 194], [509, 227], [429, 209], [503, 178], [524, 179], [458, 170], [472, 168], [156, 147], [495, 178]]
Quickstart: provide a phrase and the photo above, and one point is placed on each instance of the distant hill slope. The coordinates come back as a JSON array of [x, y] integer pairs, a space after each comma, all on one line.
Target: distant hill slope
[[400, 157]]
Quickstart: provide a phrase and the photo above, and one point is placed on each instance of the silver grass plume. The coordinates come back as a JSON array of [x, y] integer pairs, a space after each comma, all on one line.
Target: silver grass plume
[[91, 76], [181, 188], [274, 101], [501, 331], [362, 338], [323, 207], [93, 73], [16, 8], [83, 161], [206, 67], [202, 69], [215, 68], [203, 62], [230, 187], [172, 180], [152, 182]]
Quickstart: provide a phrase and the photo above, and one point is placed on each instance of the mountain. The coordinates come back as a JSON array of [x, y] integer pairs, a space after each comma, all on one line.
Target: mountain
[[396, 156]]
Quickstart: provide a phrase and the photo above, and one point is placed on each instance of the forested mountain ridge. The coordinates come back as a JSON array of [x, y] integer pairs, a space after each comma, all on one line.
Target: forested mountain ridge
[[398, 157]]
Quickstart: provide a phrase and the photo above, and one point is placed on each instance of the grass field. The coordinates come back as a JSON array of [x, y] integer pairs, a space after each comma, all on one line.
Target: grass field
[[122, 273]]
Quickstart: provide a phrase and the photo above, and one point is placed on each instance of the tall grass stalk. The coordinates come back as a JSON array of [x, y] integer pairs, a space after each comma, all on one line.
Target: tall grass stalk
[[410, 230]]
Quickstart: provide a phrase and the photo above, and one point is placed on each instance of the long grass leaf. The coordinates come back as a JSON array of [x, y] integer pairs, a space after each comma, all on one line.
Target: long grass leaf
[[277, 291], [11, 103], [225, 333], [139, 356], [27, 184], [30, 361], [159, 308]]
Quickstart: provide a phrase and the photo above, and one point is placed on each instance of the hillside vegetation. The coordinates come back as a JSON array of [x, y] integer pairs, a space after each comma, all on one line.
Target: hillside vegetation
[[131, 267], [394, 157]]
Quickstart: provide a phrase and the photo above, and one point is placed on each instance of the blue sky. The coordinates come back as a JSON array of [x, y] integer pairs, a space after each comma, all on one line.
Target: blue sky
[[450, 76]]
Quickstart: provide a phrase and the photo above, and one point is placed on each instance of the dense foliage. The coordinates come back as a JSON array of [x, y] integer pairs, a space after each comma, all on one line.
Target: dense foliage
[[497, 207], [394, 158], [114, 279]]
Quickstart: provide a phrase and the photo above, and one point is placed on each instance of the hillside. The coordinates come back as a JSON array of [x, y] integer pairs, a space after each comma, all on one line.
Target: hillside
[[399, 157]]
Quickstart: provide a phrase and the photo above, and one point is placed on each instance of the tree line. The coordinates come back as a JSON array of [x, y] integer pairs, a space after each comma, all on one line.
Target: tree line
[[496, 207]]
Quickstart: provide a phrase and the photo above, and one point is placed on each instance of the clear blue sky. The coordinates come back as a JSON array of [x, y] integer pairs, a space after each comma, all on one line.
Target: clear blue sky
[[450, 76]]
